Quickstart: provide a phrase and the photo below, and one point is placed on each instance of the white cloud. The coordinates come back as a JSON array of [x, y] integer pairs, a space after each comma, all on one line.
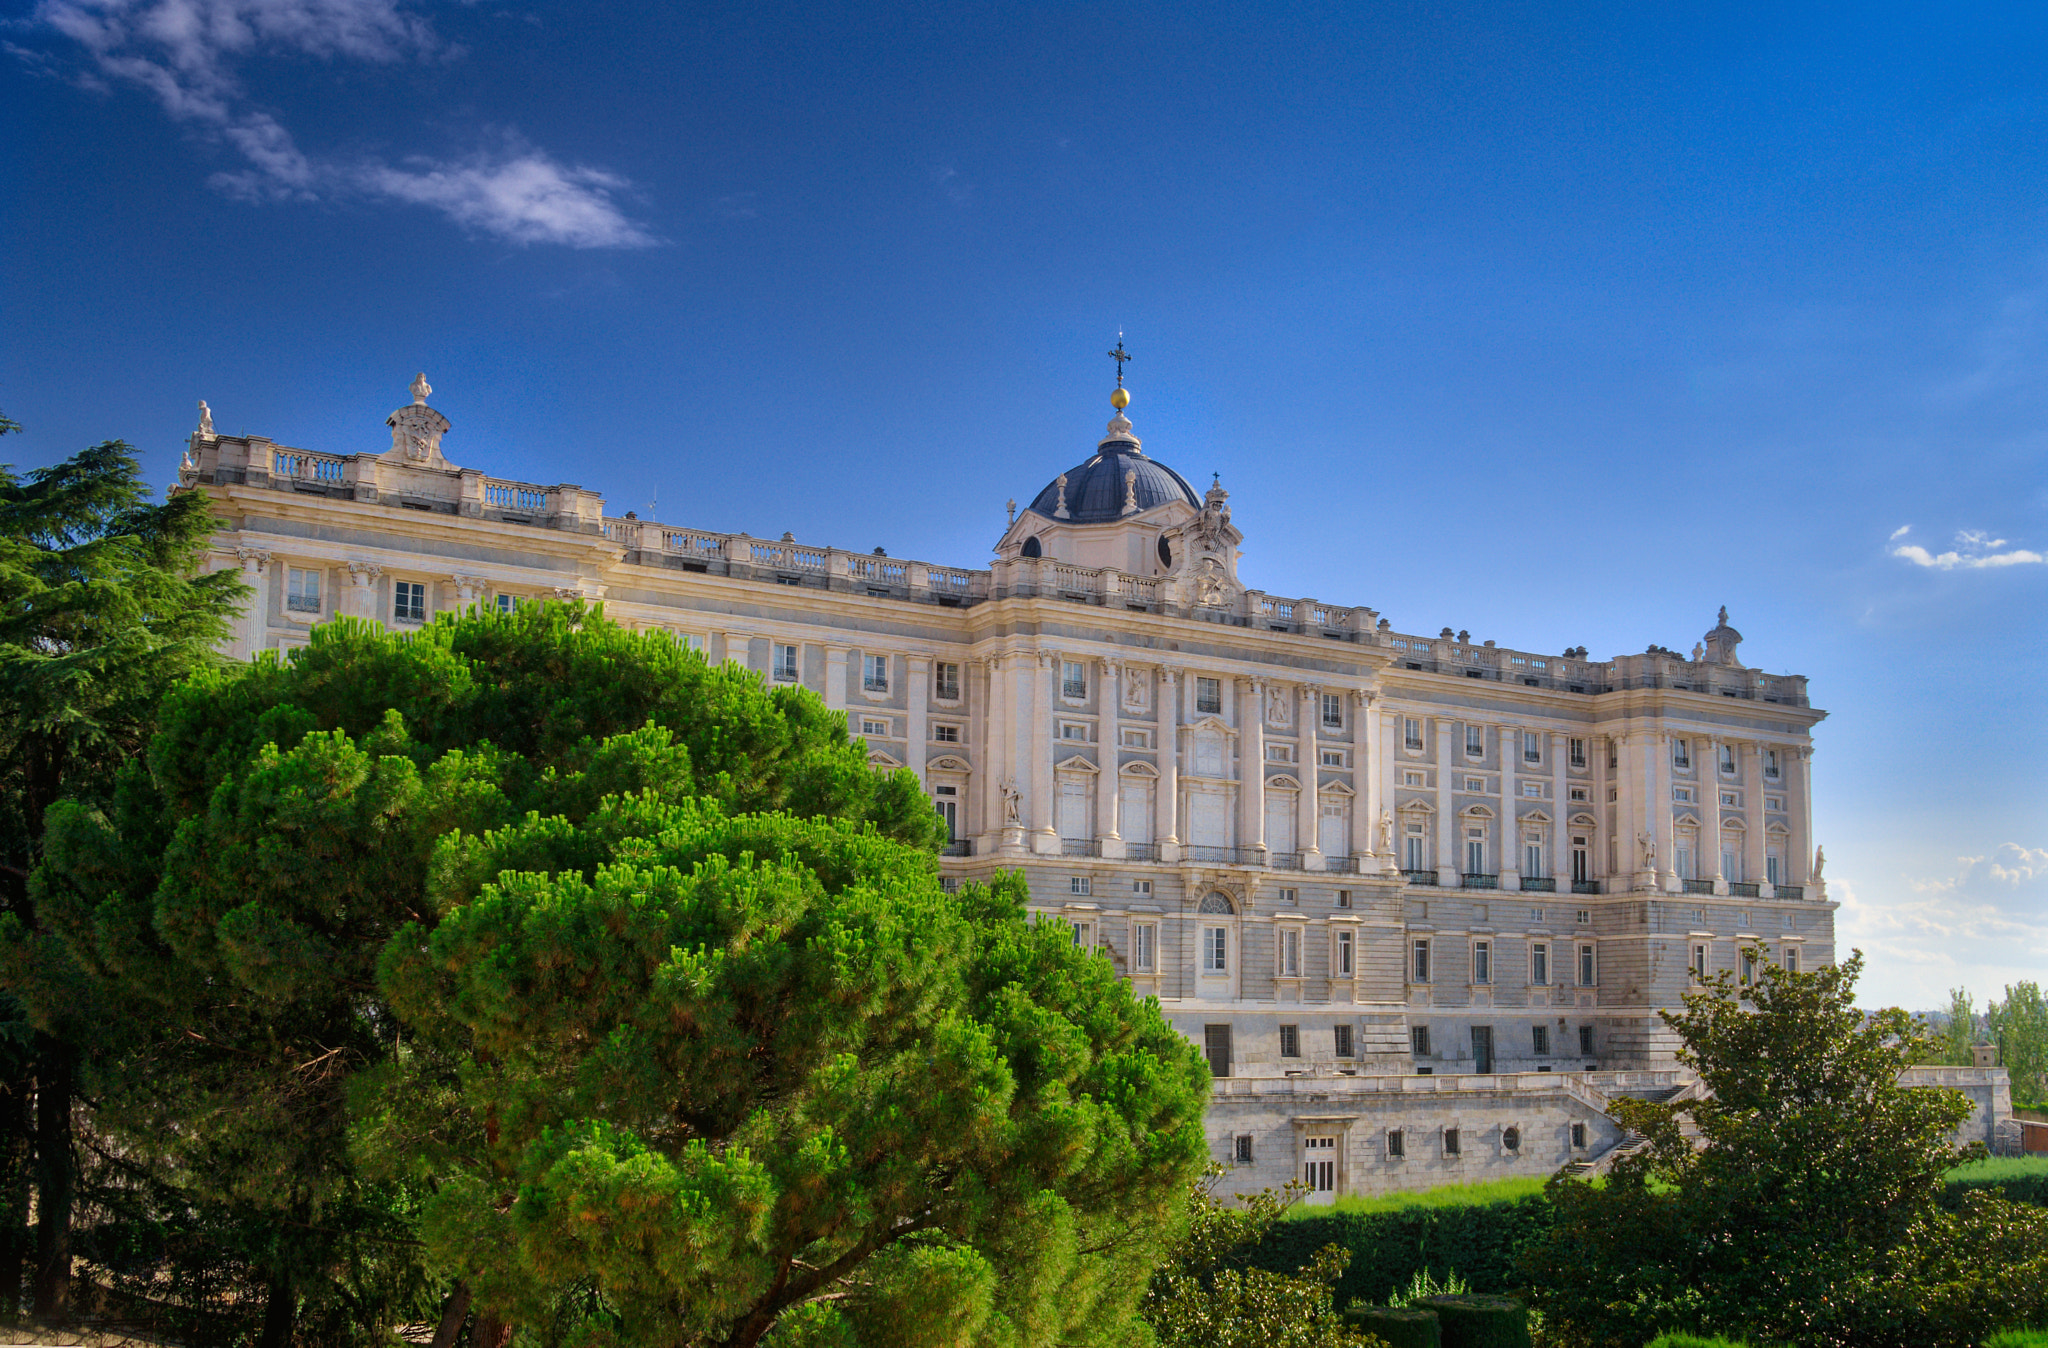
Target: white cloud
[[183, 52], [1973, 550], [1981, 925]]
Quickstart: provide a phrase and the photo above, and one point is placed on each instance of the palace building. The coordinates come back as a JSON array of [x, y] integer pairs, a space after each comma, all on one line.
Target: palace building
[[1418, 897]]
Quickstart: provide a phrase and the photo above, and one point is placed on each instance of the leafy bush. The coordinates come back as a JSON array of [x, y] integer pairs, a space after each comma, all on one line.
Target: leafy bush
[[1480, 1321], [1694, 1341], [1400, 1326]]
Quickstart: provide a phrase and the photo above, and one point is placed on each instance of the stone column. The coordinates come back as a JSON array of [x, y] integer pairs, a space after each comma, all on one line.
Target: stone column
[[1365, 774], [835, 676], [1041, 675], [254, 621], [1799, 842], [1753, 838], [1166, 805], [1307, 817], [1251, 773], [1631, 811], [1509, 863], [1447, 859], [361, 600], [1109, 696], [1002, 751], [1656, 750], [1560, 812], [1709, 769], [1607, 832], [979, 748], [918, 670]]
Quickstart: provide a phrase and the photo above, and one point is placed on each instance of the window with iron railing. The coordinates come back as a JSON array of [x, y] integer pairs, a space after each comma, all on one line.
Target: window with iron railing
[[875, 675], [1073, 679], [408, 602], [946, 681], [302, 591], [785, 664], [1209, 696]]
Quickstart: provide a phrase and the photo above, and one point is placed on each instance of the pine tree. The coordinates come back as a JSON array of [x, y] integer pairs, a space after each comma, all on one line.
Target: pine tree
[[296, 818], [101, 608]]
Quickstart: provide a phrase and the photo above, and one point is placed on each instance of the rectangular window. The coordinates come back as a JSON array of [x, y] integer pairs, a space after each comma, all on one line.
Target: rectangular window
[[1774, 866], [1585, 1041], [946, 734], [875, 675], [1681, 753], [1417, 848], [1532, 747], [1418, 1039], [1475, 857], [1279, 753], [1411, 737], [1290, 1041], [1682, 794], [1244, 1149], [1536, 916], [1215, 950], [1344, 954], [1137, 739], [946, 681], [1397, 1145], [1539, 1036], [1073, 679], [1084, 935], [302, 591], [1216, 1043], [1578, 753], [1476, 785], [870, 726], [1208, 696], [1770, 765], [1578, 1135], [1482, 961], [505, 602], [1730, 798], [785, 664], [1145, 947], [1331, 758], [949, 812], [1420, 967], [1532, 790], [1585, 917], [1343, 898], [1791, 959], [1450, 1142], [1333, 710], [1080, 884], [1411, 779], [408, 602], [1141, 886], [1586, 969], [1774, 803], [1289, 953], [1748, 968], [1699, 960], [1343, 1038], [1074, 730], [1579, 793], [1475, 741], [1539, 963], [1532, 858], [1582, 862], [1290, 896], [1727, 759]]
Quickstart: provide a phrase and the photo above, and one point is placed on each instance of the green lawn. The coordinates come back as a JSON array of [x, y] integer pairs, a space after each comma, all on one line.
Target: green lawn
[[2019, 1338], [1444, 1196], [2001, 1168]]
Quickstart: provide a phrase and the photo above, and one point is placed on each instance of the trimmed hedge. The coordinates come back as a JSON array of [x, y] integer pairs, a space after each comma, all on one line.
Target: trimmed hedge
[[1400, 1326], [1481, 1242], [1693, 1341], [1480, 1321]]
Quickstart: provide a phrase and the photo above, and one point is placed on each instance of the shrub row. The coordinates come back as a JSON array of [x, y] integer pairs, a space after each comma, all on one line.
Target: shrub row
[[1481, 1243]]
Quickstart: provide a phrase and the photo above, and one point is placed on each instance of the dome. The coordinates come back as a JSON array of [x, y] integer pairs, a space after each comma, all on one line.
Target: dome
[[1095, 490]]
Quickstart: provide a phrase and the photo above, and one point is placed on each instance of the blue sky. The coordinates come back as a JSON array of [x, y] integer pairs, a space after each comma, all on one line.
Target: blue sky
[[1564, 324]]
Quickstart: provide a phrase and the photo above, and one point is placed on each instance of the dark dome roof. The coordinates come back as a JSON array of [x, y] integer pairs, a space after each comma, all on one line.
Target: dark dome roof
[[1095, 490]]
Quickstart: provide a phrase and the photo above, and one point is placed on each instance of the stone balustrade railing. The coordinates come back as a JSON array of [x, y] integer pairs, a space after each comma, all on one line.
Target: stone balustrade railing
[[1339, 1082]]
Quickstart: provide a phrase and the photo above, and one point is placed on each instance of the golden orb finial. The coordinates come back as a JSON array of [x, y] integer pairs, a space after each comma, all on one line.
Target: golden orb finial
[[1120, 399]]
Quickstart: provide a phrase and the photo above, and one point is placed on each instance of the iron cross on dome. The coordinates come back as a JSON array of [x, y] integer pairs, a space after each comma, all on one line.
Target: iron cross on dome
[[1120, 356]]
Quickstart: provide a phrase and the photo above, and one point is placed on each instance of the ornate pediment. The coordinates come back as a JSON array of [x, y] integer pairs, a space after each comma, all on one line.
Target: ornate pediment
[[416, 430]]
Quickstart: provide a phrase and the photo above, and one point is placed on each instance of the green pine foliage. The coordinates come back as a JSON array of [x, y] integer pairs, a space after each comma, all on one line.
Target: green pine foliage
[[101, 608], [1209, 1294], [429, 949], [2019, 1026], [1810, 1211]]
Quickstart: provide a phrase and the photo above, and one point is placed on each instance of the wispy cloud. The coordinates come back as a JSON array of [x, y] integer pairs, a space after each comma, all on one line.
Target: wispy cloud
[[1973, 550], [1982, 924], [184, 54]]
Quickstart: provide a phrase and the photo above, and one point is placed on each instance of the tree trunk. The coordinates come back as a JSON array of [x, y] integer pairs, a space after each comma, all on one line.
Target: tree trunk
[[490, 1332], [453, 1312], [16, 1177], [277, 1312], [54, 1178]]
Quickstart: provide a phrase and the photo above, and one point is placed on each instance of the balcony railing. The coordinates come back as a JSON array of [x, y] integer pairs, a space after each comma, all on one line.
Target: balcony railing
[[302, 603], [1479, 880], [1695, 886], [1141, 851], [1540, 884], [1791, 891], [1223, 856], [1742, 889], [959, 847], [1284, 861], [1341, 865], [1419, 877], [1080, 847], [1585, 886]]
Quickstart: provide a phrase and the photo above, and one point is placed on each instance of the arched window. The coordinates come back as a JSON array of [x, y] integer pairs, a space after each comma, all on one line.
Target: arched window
[[1165, 551], [1218, 903], [1031, 547]]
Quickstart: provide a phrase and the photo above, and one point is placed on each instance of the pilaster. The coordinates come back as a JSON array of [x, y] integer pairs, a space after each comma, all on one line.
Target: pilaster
[[1039, 677], [1307, 813], [1446, 817], [1251, 771], [1109, 693], [1166, 827], [917, 732]]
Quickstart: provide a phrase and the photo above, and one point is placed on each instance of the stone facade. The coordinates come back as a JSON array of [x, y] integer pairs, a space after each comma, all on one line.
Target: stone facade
[[1346, 858]]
